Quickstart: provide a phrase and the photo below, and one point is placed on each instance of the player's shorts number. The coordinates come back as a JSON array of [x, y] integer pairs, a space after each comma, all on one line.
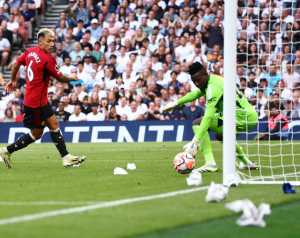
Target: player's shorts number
[[29, 71]]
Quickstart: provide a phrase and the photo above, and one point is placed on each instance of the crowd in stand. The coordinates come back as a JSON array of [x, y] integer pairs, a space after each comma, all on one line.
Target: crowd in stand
[[17, 19], [131, 56]]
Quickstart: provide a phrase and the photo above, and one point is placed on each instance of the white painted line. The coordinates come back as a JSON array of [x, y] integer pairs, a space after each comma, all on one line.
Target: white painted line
[[47, 203], [116, 203]]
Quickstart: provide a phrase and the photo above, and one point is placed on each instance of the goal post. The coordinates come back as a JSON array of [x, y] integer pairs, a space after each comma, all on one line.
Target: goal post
[[229, 133]]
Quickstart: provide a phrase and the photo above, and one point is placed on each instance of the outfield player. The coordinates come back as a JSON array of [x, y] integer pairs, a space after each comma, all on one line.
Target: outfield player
[[40, 66], [211, 86]]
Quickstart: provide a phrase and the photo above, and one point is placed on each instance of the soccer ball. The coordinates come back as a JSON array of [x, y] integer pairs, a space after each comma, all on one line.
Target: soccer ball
[[184, 163]]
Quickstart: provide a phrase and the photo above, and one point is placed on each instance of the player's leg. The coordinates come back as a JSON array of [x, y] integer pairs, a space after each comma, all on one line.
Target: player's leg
[[246, 120], [205, 148], [32, 121], [240, 154], [56, 135], [58, 139], [244, 162]]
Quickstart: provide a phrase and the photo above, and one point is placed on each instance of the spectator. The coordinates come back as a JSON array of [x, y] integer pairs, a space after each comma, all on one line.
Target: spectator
[[79, 30], [95, 114], [8, 115], [277, 124], [296, 102], [81, 12], [214, 35], [184, 52], [67, 68], [112, 115], [16, 25], [97, 54], [77, 53], [61, 30], [152, 22], [192, 111], [290, 77], [5, 49], [122, 60], [161, 80], [68, 105], [139, 37], [61, 114], [85, 41], [133, 113], [122, 107], [85, 106], [95, 29], [141, 60], [155, 64], [261, 103], [246, 90], [28, 16], [174, 82], [4, 16], [77, 115], [252, 81]]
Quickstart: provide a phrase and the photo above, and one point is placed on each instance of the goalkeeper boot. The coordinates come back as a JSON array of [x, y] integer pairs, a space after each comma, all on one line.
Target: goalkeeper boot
[[245, 163], [248, 166], [191, 148], [5, 157], [72, 160], [207, 167]]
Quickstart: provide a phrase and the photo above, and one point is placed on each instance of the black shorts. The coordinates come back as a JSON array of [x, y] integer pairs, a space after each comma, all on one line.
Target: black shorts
[[36, 117]]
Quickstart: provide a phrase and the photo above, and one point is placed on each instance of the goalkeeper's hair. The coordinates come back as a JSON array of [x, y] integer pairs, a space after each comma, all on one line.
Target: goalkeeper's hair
[[43, 32], [195, 68]]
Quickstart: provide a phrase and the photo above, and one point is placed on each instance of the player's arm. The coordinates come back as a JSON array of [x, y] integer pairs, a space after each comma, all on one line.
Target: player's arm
[[64, 78], [12, 85], [54, 71], [189, 97]]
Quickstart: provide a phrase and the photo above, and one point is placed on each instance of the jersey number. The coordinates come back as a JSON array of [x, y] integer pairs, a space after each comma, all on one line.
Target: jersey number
[[29, 71]]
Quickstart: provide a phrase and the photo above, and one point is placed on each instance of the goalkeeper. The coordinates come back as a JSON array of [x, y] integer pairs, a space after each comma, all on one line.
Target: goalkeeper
[[211, 86]]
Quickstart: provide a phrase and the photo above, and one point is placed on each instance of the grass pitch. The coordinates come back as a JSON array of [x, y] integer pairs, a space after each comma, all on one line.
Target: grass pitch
[[38, 183]]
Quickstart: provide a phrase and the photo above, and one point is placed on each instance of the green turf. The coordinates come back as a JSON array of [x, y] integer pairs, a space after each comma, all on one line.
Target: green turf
[[274, 158], [280, 224], [38, 175]]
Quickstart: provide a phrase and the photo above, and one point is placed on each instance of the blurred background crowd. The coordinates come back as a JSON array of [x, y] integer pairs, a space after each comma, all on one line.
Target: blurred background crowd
[[131, 56]]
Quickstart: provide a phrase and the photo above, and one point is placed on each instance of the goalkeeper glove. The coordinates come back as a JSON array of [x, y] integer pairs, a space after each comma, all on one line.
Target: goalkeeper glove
[[169, 106]]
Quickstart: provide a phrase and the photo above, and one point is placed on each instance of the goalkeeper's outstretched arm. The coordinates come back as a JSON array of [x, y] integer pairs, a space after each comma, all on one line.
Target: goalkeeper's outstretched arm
[[189, 97]]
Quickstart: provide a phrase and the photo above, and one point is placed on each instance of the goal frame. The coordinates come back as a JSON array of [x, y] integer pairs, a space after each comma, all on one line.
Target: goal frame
[[230, 174]]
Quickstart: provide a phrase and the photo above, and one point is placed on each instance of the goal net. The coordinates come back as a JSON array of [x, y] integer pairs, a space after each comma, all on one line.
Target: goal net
[[268, 73]]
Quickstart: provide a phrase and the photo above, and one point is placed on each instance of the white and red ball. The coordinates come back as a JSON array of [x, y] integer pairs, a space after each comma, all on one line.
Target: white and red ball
[[184, 163]]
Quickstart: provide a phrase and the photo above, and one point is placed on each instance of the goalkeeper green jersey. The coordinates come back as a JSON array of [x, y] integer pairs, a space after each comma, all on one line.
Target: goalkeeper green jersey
[[246, 116]]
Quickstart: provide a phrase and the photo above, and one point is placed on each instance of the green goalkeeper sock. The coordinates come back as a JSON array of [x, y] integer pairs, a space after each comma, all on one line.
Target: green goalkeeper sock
[[205, 146], [241, 156]]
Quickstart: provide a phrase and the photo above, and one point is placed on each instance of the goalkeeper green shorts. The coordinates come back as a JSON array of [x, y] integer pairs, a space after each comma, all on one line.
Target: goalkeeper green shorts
[[245, 121]]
